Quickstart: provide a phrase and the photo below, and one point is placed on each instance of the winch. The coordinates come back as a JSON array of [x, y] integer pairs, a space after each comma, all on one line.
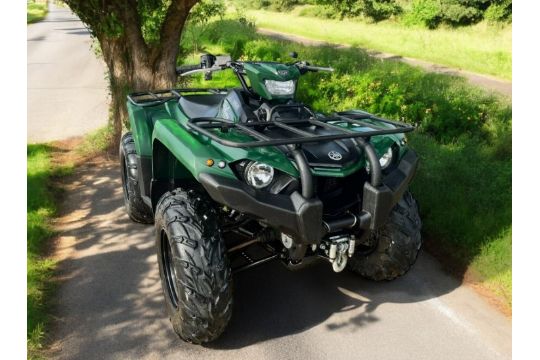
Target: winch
[[338, 249]]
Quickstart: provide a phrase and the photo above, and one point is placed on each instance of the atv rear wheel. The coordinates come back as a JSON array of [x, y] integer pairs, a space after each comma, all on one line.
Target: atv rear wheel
[[395, 245], [194, 269], [137, 210]]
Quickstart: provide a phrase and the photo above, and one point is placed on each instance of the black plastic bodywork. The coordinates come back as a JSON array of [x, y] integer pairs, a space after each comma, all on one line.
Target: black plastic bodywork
[[301, 217], [293, 214], [145, 177]]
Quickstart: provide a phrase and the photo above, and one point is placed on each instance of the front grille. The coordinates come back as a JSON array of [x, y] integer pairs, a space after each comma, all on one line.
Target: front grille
[[340, 194], [328, 185]]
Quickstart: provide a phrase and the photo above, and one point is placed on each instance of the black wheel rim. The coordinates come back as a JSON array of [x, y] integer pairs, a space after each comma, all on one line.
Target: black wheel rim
[[169, 271]]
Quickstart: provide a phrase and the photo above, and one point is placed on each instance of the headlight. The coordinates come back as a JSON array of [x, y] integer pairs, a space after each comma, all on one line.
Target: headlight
[[258, 174], [386, 159], [280, 87]]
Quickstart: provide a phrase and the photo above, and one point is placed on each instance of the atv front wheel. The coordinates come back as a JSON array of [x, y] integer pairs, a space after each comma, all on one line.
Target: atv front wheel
[[194, 269], [137, 210], [395, 245]]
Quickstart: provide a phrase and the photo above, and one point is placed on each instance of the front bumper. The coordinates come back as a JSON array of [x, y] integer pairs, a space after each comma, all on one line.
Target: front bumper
[[303, 218], [377, 202], [292, 214]]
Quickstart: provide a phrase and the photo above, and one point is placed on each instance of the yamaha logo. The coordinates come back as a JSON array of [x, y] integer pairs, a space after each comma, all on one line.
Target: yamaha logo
[[334, 155]]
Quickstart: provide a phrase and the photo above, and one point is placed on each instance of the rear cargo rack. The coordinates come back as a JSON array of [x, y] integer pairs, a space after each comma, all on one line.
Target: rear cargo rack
[[158, 97]]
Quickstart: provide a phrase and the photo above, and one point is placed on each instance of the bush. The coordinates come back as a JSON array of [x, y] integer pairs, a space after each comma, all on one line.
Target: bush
[[431, 13], [376, 10], [461, 12], [231, 35], [500, 11], [380, 9], [263, 49], [319, 11], [279, 5], [282, 5], [254, 4], [425, 13]]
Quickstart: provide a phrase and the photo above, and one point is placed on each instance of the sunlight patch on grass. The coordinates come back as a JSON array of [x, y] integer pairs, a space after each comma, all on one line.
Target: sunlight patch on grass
[[480, 48], [96, 142], [35, 12], [40, 209], [494, 263]]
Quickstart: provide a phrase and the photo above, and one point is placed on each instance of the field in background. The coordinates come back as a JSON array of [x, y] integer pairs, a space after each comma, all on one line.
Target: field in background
[[479, 48], [463, 138]]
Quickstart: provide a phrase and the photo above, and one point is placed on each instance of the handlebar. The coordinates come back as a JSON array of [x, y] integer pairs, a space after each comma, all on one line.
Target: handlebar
[[185, 70], [305, 66], [318, 68], [202, 70], [182, 69]]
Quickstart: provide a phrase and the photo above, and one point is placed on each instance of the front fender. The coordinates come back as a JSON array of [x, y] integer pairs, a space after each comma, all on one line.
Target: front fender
[[189, 150]]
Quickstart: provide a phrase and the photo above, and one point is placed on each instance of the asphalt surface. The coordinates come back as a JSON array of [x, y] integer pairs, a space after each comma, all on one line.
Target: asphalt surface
[[67, 91], [110, 303], [486, 82]]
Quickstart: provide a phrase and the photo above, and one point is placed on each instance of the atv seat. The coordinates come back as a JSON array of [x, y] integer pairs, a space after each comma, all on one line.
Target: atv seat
[[195, 106]]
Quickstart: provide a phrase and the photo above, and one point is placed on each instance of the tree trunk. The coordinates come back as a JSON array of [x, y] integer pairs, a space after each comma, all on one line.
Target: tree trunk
[[133, 64], [125, 77]]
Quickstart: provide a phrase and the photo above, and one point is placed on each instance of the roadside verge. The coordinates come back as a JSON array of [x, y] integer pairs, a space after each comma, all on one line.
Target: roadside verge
[[48, 166], [486, 82]]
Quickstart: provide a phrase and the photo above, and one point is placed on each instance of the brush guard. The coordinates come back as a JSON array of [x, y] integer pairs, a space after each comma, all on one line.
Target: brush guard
[[207, 126]]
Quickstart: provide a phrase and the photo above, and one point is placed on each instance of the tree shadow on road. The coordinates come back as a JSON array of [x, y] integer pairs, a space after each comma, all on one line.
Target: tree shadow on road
[[272, 302], [110, 302]]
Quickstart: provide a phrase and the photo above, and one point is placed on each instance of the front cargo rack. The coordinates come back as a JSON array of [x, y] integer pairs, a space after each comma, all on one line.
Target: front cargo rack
[[205, 125]]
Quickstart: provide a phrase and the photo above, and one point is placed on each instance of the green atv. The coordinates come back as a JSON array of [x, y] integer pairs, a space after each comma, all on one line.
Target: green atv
[[234, 178]]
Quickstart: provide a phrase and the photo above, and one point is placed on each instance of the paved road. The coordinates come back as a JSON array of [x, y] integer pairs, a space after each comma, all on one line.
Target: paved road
[[111, 305], [67, 91], [484, 81]]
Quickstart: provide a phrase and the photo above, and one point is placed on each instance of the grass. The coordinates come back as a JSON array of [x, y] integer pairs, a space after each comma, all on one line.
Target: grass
[[481, 48], [40, 210], [35, 12], [97, 142], [465, 197], [463, 137]]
